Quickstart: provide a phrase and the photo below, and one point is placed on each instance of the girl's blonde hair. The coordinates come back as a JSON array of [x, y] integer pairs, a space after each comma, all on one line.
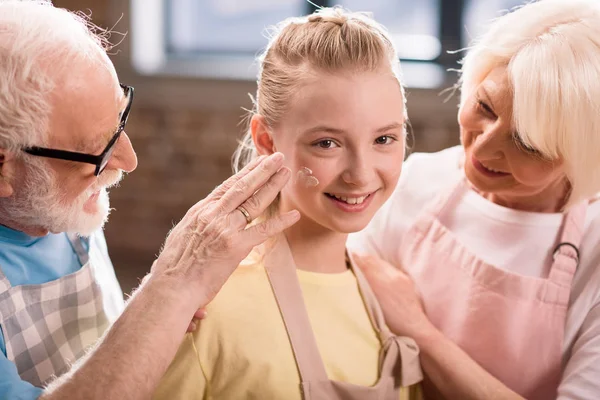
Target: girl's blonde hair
[[551, 51], [331, 40]]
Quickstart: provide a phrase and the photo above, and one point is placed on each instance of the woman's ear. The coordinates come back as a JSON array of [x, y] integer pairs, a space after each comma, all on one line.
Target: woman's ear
[[263, 141], [7, 170]]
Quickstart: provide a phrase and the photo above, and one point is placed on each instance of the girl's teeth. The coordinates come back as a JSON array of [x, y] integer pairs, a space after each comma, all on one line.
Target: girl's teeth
[[351, 200]]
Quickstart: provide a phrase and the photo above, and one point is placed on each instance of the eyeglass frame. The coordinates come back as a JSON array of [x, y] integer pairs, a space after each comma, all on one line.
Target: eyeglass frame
[[100, 161]]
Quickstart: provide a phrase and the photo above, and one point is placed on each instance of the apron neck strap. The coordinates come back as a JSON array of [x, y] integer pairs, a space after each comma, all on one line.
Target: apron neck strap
[[447, 195], [566, 252], [77, 244], [281, 271], [4, 283], [371, 303], [393, 348]]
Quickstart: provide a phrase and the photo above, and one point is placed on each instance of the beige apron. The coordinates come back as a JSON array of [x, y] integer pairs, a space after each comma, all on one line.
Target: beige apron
[[399, 359]]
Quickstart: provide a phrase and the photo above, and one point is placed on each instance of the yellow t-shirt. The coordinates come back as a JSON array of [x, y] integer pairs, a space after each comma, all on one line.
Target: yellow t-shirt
[[242, 351]]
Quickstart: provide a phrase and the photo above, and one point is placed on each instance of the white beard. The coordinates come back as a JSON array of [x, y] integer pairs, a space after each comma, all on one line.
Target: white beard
[[39, 202]]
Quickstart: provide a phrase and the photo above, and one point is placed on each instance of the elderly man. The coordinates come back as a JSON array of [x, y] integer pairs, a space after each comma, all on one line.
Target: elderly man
[[62, 144]]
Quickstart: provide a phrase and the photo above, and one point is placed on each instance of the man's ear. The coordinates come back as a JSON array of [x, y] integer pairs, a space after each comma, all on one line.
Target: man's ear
[[7, 171], [263, 141]]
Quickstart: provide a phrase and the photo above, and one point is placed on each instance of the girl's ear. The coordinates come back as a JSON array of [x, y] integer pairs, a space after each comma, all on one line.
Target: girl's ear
[[263, 141]]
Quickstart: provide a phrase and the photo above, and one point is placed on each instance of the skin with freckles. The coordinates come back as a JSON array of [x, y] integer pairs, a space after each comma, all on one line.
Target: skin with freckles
[[497, 163]]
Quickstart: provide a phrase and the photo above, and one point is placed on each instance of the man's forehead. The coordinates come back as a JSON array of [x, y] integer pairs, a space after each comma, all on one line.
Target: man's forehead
[[86, 123]]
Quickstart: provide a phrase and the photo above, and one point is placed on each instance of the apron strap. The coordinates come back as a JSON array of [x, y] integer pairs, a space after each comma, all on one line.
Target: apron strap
[[80, 250], [566, 253], [372, 305], [4, 283], [393, 347], [447, 195], [281, 271], [405, 349]]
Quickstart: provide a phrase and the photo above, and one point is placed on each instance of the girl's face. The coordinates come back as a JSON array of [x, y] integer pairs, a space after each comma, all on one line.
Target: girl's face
[[497, 162], [349, 130]]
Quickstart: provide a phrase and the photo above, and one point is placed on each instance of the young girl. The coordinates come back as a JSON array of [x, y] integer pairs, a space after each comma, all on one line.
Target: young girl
[[297, 320]]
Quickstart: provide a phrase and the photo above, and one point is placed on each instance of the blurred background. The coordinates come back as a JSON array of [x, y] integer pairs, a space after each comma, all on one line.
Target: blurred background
[[192, 65]]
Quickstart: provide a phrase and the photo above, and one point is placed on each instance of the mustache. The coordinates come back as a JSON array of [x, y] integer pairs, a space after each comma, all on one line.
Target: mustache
[[108, 179]]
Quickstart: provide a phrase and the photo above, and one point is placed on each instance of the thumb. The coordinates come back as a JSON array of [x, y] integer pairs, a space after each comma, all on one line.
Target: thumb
[[362, 262]]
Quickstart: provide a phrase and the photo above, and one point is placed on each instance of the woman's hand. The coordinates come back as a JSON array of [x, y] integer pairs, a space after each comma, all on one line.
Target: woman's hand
[[450, 373], [397, 295]]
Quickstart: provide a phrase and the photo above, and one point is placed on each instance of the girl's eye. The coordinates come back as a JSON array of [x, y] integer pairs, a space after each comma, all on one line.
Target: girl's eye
[[385, 139], [326, 144]]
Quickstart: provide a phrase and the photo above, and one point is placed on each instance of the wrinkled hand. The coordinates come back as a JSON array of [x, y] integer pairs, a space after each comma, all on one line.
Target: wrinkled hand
[[213, 238], [397, 295]]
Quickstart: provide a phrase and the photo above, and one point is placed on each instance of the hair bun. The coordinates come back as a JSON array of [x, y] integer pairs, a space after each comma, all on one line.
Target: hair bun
[[337, 19]]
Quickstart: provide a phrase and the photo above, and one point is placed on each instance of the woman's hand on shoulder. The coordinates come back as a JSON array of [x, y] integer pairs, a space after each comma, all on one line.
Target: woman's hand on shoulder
[[399, 299]]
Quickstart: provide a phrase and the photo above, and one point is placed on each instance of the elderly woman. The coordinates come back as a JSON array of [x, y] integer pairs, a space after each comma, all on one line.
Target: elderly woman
[[498, 241]]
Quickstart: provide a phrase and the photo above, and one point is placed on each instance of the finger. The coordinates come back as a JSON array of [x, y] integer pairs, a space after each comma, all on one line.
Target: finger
[[256, 204], [370, 266], [200, 314], [225, 186], [191, 327], [249, 184], [360, 262], [259, 233]]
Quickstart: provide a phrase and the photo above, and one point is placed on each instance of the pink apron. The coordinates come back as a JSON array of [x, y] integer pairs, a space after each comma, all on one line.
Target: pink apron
[[512, 325], [399, 362]]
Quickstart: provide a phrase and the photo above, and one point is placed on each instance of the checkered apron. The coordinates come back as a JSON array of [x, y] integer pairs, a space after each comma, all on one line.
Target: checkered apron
[[47, 327]]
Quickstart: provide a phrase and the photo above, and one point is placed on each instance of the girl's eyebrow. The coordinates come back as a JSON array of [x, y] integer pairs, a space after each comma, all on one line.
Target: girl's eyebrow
[[329, 129], [324, 128], [393, 125]]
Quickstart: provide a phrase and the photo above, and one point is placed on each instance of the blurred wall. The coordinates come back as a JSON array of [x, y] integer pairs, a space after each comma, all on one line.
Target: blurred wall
[[184, 132]]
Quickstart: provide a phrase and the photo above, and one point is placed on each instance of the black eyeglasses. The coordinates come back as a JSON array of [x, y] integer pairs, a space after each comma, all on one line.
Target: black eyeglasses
[[99, 161]]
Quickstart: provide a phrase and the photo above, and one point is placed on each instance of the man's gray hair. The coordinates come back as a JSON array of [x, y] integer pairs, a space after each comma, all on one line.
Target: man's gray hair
[[38, 43]]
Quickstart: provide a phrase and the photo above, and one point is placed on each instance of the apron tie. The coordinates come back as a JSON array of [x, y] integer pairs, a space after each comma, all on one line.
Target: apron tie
[[405, 350]]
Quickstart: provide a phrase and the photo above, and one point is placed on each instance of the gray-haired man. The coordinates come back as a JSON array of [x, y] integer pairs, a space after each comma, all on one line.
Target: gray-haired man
[[62, 144]]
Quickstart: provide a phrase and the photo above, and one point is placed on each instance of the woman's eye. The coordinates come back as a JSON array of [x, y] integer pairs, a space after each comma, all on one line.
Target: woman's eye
[[481, 106], [386, 139], [521, 145], [326, 144]]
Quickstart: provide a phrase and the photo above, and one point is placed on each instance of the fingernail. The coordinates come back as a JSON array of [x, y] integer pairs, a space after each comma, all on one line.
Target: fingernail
[[285, 171], [255, 162], [275, 158]]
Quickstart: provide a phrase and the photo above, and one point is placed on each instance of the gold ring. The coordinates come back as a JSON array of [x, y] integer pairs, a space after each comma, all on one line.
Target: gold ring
[[246, 214]]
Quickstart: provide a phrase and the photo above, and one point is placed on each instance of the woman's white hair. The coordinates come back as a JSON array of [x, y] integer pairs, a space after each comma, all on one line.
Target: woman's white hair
[[551, 50], [38, 43]]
